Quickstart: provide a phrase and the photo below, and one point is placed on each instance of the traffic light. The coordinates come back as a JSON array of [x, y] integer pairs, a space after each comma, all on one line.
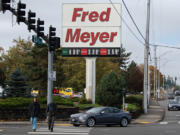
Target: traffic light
[[40, 28], [52, 38], [21, 12], [5, 5], [31, 20], [57, 43]]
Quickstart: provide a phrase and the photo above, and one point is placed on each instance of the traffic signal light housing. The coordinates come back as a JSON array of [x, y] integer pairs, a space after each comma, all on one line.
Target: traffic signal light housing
[[58, 40], [31, 20], [40, 28], [5, 5], [52, 38], [21, 12]]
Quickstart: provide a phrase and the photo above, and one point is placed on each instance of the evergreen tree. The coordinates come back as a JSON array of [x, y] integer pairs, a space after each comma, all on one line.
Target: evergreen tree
[[2, 78], [16, 86], [109, 90], [134, 78]]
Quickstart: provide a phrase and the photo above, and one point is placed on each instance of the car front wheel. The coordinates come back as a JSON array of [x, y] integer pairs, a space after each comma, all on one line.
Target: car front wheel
[[91, 122], [124, 122]]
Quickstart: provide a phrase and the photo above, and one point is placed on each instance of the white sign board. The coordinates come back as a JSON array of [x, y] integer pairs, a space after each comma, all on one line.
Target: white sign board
[[91, 26], [52, 76]]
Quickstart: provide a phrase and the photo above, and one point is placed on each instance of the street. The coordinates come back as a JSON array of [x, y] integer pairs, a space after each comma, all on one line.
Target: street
[[170, 125]]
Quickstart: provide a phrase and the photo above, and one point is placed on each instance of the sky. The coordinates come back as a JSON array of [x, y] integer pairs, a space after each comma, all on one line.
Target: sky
[[164, 27]]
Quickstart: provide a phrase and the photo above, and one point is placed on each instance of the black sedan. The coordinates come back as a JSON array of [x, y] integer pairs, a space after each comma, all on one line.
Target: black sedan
[[101, 116], [173, 105]]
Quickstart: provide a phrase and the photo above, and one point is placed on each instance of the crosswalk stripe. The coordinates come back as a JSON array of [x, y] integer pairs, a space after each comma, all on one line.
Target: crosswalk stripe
[[63, 131], [164, 123], [53, 133]]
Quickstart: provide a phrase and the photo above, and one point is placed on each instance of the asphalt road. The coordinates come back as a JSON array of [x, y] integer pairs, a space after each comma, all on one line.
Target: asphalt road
[[169, 126]]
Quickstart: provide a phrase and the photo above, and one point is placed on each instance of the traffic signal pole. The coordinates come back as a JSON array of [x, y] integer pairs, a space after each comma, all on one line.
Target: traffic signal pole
[[50, 59], [50, 81]]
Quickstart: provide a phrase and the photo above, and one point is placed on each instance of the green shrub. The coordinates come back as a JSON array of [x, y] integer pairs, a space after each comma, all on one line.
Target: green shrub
[[83, 100], [63, 101], [133, 108], [25, 102], [84, 106], [75, 99], [134, 99]]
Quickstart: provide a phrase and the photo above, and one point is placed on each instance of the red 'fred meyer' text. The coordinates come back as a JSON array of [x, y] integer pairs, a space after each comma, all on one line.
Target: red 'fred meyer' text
[[76, 35]]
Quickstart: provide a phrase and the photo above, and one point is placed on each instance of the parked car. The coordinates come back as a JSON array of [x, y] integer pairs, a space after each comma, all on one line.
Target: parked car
[[101, 116], [171, 96], [173, 105], [77, 95]]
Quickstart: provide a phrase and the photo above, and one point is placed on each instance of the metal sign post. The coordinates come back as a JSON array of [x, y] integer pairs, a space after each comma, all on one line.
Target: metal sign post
[[91, 79]]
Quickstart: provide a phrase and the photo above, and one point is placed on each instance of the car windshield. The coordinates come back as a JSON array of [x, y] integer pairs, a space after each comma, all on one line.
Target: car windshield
[[172, 102], [94, 110]]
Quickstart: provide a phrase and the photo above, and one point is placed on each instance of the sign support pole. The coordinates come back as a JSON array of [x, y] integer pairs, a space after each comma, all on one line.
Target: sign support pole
[[91, 79], [50, 81]]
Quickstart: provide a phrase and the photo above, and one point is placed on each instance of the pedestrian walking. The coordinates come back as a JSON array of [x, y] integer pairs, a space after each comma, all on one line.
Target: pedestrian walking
[[34, 111], [51, 113]]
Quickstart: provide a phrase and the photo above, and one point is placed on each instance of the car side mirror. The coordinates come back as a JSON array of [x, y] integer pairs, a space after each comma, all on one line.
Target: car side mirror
[[102, 112]]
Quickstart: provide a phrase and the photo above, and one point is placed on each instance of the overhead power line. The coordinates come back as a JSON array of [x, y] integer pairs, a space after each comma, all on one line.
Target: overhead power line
[[165, 46], [132, 32], [133, 20]]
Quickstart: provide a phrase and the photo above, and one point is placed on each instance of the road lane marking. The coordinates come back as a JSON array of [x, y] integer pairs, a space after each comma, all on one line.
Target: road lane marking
[[164, 123], [178, 122]]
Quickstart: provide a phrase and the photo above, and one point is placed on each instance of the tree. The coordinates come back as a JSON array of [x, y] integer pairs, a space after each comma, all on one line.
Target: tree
[[123, 59], [16, 86], [108, 92], [134, 78], [2, 78], [35, 68]]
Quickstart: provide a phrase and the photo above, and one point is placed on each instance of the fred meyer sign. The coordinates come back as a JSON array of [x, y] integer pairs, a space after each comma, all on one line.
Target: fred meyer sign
[[91, 30]]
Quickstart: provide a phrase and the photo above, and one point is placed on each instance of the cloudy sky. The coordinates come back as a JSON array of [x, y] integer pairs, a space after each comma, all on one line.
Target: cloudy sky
[[164, 29]]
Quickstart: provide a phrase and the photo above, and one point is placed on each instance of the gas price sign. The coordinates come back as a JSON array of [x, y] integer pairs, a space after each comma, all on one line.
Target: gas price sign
[[91, 30]]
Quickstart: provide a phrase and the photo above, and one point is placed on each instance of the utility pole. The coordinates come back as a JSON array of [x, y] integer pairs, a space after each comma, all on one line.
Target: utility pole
[[155, 72], [149, 85], [146, 55], [159, 80]]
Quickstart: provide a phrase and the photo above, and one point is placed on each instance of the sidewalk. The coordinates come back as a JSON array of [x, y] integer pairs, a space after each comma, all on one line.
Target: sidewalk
[[155, 114]]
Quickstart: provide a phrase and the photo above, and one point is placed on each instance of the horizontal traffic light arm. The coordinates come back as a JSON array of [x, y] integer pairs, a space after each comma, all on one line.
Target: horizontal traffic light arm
[[45, 38]]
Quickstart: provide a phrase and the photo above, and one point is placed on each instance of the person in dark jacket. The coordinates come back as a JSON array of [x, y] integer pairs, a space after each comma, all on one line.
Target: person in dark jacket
[[51, 113], [34, 111]]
